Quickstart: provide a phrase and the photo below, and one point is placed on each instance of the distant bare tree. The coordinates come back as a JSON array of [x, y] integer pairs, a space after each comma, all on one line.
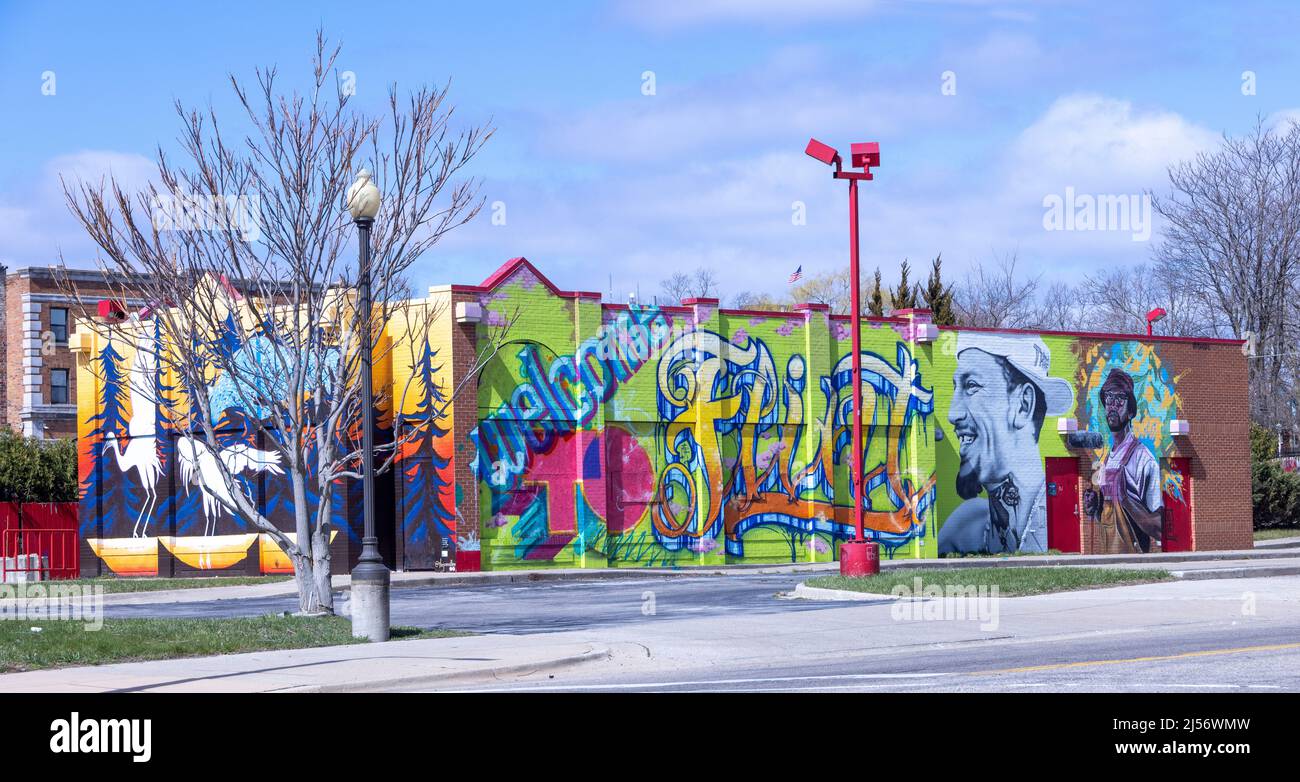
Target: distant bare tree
[[995, 295], [702, 284], [1118, 299], [1232, 239], [749, 300], [1062, 308]]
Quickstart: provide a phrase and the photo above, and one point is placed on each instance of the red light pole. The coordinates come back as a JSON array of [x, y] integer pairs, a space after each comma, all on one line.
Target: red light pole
[[858, 557]]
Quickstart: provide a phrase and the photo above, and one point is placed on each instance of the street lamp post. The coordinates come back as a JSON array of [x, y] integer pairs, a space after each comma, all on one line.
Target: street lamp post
[[857, 557], [370, 578]]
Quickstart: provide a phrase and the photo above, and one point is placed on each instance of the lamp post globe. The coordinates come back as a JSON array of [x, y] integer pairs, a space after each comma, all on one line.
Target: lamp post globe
[[370, 577], [363, 197]]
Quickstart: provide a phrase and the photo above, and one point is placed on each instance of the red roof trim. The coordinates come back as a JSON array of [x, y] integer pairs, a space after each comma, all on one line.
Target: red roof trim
[[497, 278], [871, 319], [1102, 335]]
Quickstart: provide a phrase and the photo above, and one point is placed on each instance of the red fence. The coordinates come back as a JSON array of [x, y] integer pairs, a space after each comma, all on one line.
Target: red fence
[[41, 544]]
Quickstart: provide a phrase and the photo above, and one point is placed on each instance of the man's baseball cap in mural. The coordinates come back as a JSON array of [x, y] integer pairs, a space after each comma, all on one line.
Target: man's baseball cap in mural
[[1027, 353]]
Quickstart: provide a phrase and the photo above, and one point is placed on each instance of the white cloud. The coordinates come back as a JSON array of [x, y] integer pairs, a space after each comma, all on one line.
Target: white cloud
[[644, 221], [724, 120], [35, 228], [1100, 143]]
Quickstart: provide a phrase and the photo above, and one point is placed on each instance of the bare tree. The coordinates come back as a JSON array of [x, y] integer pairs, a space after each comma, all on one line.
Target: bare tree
[[996, 296], [253, 307], [1062, 308], [1118, 299], [1232, 237], [749, 300], [702, 284]]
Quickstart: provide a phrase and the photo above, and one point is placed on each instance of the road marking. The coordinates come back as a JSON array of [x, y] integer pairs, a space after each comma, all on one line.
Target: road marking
[[1157, 658], [703, 682]]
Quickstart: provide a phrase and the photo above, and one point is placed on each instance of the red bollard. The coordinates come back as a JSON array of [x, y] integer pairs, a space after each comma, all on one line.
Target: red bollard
[[859, 558]]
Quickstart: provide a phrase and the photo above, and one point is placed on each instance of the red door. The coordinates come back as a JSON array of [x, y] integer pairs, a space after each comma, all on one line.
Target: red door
[[1177, 534], [1063, 504]]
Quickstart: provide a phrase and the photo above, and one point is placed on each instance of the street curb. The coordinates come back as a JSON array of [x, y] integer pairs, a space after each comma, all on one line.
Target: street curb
[[804, 592], [1278, 543], [1257, 572], [595, 654], [1072, 560]]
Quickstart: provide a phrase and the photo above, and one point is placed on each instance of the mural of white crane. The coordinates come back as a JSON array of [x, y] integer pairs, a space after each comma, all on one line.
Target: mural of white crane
[[141, 451], [199, 467]]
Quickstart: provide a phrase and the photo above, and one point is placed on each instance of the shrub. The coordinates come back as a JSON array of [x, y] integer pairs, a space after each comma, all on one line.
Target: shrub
[[34, 470]]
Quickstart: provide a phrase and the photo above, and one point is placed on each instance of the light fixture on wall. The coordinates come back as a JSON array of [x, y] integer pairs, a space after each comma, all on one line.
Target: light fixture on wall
[[1066, 425], [469, 312], [1179, 426]]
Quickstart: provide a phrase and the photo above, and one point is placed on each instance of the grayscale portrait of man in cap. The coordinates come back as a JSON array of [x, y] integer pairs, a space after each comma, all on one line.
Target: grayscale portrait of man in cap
[[1002, 393]]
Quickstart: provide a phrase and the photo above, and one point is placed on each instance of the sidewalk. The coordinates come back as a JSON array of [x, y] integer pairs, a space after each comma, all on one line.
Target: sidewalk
[[416, 663]]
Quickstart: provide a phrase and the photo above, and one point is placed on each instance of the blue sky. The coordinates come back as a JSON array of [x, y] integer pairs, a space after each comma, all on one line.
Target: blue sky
[[605, 186]]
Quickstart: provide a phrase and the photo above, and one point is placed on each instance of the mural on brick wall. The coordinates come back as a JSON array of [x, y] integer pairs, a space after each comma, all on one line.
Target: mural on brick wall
[[1002, 394], [674, 436], [635, 436], [150, 483], [1131, 397], [425, 485], [1008, 389]]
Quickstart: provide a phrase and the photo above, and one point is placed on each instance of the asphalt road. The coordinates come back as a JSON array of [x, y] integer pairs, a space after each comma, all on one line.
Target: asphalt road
[[1221, 659], [544, 607]]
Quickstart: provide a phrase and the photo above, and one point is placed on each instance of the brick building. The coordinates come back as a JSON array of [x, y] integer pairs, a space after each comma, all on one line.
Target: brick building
[[38, 396], [605, 435]]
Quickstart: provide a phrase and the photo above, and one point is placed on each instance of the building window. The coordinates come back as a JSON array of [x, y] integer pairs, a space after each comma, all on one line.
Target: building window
[[59, 325], [59, 386]]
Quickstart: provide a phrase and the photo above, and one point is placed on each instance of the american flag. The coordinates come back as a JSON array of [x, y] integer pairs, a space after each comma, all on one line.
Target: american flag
[[795, 275]]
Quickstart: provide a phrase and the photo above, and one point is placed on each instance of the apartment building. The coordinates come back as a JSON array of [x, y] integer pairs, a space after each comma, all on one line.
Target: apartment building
[[38, 389]]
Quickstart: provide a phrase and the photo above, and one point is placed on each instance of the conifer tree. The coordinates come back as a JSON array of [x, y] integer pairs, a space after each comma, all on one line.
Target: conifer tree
[[876, 304], [938, 297], [906, 295]]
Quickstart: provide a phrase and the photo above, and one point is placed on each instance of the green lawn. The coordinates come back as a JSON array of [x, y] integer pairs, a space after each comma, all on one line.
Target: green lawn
[[1010, 581], [1274, 534], [62, 643], [115, 584]]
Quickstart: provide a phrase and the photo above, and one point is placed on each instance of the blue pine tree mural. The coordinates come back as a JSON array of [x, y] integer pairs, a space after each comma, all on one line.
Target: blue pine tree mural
[[108, 494], [426, 519]]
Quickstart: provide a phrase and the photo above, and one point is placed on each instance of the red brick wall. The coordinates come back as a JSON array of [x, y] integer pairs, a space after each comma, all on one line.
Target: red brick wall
[[465, 417], [1211, 385], [4, 347], [41, 282]]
